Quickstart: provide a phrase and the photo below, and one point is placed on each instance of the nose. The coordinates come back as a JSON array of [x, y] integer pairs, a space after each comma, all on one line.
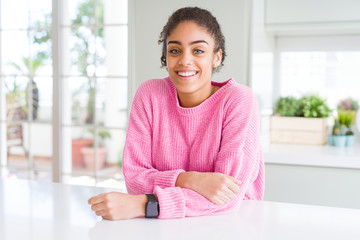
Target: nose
[[186, 59]]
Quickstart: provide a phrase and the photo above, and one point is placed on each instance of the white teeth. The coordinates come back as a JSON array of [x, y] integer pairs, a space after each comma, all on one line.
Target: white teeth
[[186, 74]]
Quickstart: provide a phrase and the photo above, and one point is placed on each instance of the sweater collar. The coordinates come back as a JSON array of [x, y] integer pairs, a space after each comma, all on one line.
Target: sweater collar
[[204, 105]]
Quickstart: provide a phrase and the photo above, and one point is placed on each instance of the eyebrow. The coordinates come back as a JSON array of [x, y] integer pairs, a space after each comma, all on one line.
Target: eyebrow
[[194, 42]]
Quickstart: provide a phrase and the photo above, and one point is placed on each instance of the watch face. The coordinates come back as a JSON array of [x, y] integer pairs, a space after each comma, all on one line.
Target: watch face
[[152, 209]]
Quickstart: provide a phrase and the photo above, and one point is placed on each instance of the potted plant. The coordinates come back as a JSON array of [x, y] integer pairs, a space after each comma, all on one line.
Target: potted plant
[[88, 152], [288, 107], [342, 135], [300, 121], [349, 104]]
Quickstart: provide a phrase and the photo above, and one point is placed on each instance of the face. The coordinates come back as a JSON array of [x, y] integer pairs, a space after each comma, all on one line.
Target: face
[[191, 58]]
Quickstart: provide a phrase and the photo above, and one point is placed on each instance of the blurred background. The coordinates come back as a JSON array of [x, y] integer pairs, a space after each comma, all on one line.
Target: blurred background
[[69, 71]]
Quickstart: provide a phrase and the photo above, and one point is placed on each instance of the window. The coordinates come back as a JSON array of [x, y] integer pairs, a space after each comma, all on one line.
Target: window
[[26, 89], [93, 73], [328, 66]]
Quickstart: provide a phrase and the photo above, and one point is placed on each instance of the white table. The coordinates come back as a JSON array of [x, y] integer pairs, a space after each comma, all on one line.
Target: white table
[[37, 210]]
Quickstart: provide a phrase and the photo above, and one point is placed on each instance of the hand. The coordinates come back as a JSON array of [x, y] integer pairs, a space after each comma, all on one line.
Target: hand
[[217, 187], [115, 205]]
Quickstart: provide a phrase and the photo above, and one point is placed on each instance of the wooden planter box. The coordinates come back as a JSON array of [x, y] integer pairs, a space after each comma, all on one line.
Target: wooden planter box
[[298, 130]]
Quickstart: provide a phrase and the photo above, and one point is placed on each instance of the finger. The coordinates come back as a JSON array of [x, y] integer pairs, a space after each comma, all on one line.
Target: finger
[[234, 187], [101, 213], [107, 217], [97, 199], [223, 198], [218, 201], [229, 193], [237, 181], [98, 207]]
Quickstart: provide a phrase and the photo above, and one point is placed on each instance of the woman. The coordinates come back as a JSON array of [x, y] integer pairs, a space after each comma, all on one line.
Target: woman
[[192, 144]]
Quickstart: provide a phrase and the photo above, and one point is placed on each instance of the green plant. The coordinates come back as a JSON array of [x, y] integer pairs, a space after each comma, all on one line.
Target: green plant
[[313, 106], [86, 57], [120, 159], [29, 65], [16, 108], [348, 104], [336, 130], [287, 106], [102, 135], [345, 119]]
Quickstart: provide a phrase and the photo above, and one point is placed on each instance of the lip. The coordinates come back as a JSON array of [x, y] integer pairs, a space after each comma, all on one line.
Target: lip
[[186, 77]]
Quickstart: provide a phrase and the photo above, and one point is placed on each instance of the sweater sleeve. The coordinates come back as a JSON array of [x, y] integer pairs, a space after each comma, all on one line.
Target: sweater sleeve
[[239, 156], [140, 175]]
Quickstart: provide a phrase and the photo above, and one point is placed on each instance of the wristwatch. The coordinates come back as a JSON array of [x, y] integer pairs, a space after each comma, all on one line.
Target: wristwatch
[[152, 206]]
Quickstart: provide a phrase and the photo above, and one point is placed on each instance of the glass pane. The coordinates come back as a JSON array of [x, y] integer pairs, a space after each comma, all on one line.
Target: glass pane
[[79, 100], [113, 53], [114, 145], [79, 12], [109, 150], [16, 98], [3, 147], [79, 51], [42, 98], [41, 62], [115, 11], [40, 138], [14, 52], [79, 146], [334, 75], [10, 20], [40, 13], [17, 144], [75, 139], [112, 113], [2, 105]]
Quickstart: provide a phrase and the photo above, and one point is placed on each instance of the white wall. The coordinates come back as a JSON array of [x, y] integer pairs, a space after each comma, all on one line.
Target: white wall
[[147, 18], [261, 67]]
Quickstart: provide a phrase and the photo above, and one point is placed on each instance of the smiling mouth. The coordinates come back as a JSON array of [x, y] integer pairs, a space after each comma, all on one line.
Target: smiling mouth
[[186, 73]]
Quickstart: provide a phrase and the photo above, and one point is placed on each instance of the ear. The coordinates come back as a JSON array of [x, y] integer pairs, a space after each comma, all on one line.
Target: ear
[[217, 58]]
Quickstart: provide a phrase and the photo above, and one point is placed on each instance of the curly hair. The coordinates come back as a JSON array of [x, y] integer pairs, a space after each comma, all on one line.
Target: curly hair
[[201, 17]]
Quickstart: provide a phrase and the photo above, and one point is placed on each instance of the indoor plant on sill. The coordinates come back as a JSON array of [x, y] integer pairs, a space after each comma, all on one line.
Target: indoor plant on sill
[[349, 104], [342, 135], [89, 151], [300, 121]]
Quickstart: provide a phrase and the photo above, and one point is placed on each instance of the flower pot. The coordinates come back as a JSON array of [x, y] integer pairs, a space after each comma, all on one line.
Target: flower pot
[[339, 141], [89, 157], [350, 140], [298, 130], [77, 145]]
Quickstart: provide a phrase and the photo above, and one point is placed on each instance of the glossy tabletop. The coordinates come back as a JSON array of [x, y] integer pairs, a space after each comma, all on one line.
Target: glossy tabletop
[[37, 210]]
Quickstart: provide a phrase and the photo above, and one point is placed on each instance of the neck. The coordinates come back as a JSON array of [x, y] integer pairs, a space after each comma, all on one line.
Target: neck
[[189, 100]]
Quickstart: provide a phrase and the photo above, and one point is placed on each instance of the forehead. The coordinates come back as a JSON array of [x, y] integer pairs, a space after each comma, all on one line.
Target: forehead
[[189, 31]]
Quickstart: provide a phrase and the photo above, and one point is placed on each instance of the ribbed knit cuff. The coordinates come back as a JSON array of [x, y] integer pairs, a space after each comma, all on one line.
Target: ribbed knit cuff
[[171, 202], [167, 178]]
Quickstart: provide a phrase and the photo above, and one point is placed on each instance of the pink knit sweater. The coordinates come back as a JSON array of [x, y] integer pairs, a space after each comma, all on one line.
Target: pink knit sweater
[[219, 135]]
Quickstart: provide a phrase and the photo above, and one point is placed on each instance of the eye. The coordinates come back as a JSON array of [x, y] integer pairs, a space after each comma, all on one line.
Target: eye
[[198, 51], [174, 51]]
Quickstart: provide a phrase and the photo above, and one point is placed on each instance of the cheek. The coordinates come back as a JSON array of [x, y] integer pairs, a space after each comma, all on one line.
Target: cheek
[[170, 62], [207, 65]]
